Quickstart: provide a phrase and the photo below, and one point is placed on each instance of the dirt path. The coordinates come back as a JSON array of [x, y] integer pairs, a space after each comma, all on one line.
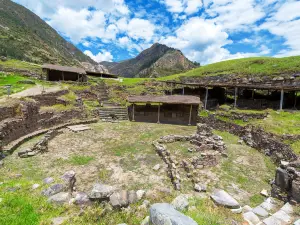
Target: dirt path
[[36, 90]]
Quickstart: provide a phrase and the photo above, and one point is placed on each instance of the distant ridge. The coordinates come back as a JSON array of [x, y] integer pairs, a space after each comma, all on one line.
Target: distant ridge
[[157, 61]]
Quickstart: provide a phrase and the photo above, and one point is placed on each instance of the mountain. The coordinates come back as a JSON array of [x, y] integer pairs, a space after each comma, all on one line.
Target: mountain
[[25, 36], [156, 61]]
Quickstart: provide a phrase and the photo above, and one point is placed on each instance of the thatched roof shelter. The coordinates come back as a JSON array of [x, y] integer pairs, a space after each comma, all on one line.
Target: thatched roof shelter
[[167, 99], [64, 68]]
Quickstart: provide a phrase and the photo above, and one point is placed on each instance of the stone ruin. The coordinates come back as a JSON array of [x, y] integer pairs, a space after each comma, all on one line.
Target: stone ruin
[[209, 145], [40, 147], [286, 185]]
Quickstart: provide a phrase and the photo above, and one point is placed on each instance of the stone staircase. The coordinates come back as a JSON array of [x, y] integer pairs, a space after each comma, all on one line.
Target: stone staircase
[[270, 212], [110, 111], [113, 113]]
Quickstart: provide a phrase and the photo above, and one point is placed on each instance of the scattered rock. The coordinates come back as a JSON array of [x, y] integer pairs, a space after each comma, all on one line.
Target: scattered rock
[[82, 198], [60, 198], [54, 189], [240, 142], [260, 211], [1, 163], [297, 222], [264, 193], [132, 197], [163, 213], [58, 220], [247, 208], [146, 221], [200, 188], [237, 211], [140, 194], [156, 167], [35, 186], [48, 180], [18, 175], [222, 198], [180, 202], [119, 199], [101, 191], [251, 218]]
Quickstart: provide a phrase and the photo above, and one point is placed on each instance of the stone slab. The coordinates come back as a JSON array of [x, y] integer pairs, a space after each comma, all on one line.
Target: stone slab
[[78, 128]]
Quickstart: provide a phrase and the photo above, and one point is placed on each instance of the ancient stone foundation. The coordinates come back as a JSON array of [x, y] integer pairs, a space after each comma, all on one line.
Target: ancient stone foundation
[[286, 185], [209, 145], [41, 146]]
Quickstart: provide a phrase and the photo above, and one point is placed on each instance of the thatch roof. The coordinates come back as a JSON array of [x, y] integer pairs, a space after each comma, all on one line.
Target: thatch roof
[[167, 99], [64, 68]]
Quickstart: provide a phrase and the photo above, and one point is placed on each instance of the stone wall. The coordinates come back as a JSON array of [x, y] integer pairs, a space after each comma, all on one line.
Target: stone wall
[[8, 112], [49, 98], [257, 138], [31, 120]]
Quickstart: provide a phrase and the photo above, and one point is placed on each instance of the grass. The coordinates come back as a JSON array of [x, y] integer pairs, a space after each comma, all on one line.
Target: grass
[[57, 108], [258, 66], [296, 147], [80, 160], [280, 123], [21, 65], [12, 80], [206, 213], [244, 167], [70, 97]]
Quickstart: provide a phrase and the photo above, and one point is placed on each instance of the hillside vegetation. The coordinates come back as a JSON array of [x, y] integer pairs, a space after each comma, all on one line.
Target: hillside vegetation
[[259, 66], [25, 36]]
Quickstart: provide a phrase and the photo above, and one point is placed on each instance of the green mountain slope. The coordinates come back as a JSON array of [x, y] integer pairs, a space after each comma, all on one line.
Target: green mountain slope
[[24, 36], [247, 67], [157, 61]]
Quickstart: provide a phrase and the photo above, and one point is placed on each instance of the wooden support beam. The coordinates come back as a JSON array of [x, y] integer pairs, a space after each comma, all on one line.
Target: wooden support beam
[[171, 88], [235, 96], [158, 114], [281, 99], [295, 101], [206, 98], [133, 112], [63, 75], [190, 119], [183, 91], [253, 94]]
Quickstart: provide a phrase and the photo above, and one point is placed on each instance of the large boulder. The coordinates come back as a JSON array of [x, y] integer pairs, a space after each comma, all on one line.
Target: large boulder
[[166, 214], [82, 198], [101, 191], [221, 197]]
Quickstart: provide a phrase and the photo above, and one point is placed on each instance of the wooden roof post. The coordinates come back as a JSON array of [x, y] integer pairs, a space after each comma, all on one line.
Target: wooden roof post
[[190, 119], [158, 113], [171, 88], [63, 76], [235, 96], [295, 101], [183, 90], [281, 99], [206, 97], [133, 112]]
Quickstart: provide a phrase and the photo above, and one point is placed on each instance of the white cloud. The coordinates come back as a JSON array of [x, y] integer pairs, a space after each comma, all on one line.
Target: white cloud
[[235, 14], [140, 29], [100, 57], [286, 23], [183, 6], [46, 8]]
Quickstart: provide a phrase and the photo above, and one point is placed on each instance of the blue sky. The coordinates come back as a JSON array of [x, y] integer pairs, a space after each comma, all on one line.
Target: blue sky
[[206, 31]]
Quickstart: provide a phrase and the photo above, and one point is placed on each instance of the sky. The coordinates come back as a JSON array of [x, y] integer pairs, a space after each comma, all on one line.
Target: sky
[[206, 31]]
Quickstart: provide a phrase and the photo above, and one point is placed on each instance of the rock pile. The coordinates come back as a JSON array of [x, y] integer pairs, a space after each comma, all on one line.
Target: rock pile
[[40, 147], [286, 185]]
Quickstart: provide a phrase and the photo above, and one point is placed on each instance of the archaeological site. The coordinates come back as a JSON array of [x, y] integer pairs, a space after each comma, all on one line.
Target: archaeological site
[[102, 123]]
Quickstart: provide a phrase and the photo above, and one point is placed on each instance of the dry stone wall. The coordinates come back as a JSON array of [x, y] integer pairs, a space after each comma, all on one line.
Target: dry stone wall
[[257, 138]]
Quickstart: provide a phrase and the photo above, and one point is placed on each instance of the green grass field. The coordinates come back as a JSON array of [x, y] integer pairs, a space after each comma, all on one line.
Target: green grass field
[[12, 80], [260, 66]]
